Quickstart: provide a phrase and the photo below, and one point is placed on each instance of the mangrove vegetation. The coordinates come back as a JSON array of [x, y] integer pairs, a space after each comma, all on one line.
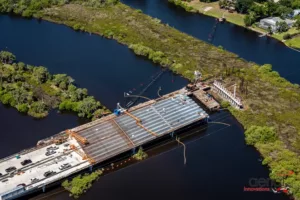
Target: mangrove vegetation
[[34, 91], [140, 155], [271, 101], [272, 104], [81, 183]]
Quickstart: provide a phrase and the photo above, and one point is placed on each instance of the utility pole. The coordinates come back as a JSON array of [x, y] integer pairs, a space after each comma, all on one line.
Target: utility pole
[[197, 76], [234, 90]]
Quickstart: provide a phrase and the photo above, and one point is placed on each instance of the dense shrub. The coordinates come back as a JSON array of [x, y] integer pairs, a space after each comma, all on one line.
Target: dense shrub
[[258, 134], [33, 90]]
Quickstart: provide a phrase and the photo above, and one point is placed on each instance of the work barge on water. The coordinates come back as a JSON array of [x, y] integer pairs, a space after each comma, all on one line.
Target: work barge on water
[[75, 150]]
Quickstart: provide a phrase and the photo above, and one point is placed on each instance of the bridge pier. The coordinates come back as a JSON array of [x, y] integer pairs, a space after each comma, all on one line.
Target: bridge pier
[[133, 150], [91, 168], [172, 134], [44, 188]]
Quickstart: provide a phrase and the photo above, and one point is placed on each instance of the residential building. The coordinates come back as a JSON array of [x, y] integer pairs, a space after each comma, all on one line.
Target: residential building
[[272, 23]]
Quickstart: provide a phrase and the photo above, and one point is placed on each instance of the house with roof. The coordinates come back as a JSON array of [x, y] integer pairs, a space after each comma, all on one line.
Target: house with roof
[[272, 23], [296, 12]]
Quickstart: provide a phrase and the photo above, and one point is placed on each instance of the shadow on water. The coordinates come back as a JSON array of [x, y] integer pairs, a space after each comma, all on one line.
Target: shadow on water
[[219, 165], [239, 40]]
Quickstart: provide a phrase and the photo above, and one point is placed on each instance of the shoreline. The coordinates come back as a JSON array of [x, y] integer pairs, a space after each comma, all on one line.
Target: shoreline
[[207, 11], [180, 53]]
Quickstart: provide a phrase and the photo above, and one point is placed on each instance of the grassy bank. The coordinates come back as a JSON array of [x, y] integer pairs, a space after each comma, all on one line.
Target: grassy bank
[[146, 36], [212, 9], [34, 91], [271, 117], [271, 101]]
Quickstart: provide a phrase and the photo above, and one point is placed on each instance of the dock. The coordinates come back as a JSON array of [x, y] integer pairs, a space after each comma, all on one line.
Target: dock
[[199, 91], [207, 100], [98, 141]]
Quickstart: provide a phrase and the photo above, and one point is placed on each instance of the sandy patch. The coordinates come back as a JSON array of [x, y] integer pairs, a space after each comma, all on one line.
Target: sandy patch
[[207, 8]]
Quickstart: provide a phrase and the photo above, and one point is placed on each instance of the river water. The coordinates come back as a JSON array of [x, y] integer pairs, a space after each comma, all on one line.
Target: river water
[[233, 38], [219, 164]]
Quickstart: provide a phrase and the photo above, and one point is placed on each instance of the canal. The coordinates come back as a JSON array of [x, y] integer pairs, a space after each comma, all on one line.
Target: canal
[[219, 164], [241, 41]]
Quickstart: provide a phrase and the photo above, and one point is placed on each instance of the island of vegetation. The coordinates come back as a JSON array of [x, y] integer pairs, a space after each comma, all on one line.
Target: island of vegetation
[[272, 104], [34, 91], [140, 155], [248, 13], [81, 183]]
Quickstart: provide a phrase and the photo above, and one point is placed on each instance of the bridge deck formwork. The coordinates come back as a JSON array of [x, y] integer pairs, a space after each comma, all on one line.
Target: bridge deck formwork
[[120, 134]]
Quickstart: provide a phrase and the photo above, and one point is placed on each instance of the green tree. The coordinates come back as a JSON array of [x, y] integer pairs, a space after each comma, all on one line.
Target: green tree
[[7, 57], [41, 74], [87, 107], [243, 6], [250, 18], [23, 108], [80, 184], [59, 78], [297, 24], [271, 8], [38, 109], [269, 29], [260, 134], [286, 3], [282, 26], [283, 11]]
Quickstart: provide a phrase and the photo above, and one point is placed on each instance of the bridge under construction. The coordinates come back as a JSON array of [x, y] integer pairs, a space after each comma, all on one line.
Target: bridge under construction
[[77, 149]]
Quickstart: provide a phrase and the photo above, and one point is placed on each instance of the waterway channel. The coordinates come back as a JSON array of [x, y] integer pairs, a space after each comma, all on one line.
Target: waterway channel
[[218, 166], [236, 39]]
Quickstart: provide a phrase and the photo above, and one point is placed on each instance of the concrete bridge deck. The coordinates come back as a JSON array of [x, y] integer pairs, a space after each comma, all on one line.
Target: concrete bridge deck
[[40, 164], [107, 137]]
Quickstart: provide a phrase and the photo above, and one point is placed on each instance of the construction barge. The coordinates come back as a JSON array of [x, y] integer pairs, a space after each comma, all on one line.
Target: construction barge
[[75, 150]]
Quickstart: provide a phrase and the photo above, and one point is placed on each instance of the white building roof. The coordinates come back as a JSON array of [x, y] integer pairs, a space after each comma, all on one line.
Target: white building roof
[[273, 20]]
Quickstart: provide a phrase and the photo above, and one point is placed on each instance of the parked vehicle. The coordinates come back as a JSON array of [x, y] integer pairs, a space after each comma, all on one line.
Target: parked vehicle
[[49, 173], [10, 169], [3, 181], [26, 162], [52, 148], [34, 180], [22, 184], [65, 166], [48, 153], [66, 145]]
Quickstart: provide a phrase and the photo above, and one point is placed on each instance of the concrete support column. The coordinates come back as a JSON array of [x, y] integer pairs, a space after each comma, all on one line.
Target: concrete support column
[[172, 134], [91, 168], [133, 151], [44, 188]]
